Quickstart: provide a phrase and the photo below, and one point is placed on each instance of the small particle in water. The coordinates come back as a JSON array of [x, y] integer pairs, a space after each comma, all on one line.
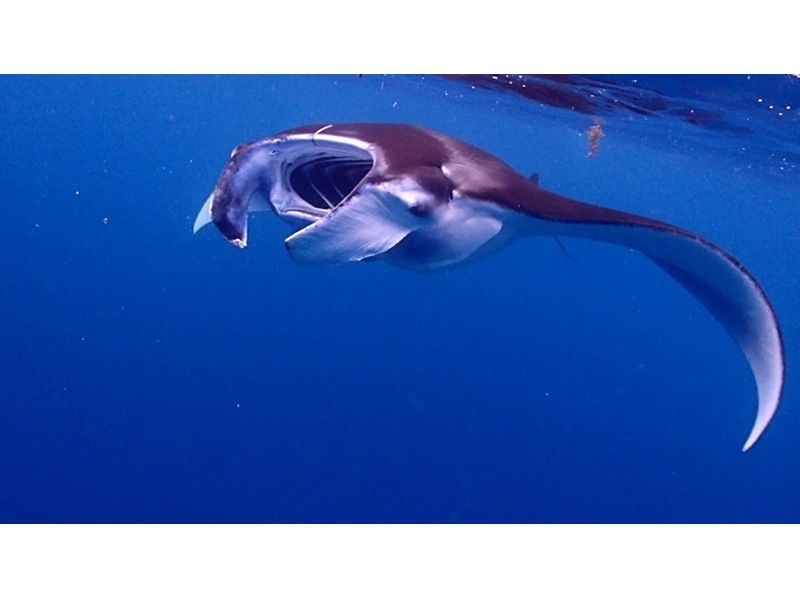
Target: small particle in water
[[771, 106], [788, 107], [105, 219], [83, 339], [394, 104], [36, 225], [237, 405], [77, 192], [760, 100]]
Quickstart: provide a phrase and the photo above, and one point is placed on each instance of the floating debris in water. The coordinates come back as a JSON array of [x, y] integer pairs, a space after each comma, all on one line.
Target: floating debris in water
[[105, 219], [595, 133]]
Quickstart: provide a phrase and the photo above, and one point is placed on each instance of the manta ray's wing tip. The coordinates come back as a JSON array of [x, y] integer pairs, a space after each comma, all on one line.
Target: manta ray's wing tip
[[751, 440], [766, 411], [755, 434]]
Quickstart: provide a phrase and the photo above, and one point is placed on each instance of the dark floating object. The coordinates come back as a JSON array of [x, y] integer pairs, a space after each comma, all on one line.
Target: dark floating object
[[421, 199], [594, 95]]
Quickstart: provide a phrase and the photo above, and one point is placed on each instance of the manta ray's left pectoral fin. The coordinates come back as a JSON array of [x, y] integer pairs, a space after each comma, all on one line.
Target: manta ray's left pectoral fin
[[363, 226], [721, 283]]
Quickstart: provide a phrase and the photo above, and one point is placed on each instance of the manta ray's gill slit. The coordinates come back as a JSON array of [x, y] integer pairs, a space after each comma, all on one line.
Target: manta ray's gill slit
[[321, 175], [324, 182], [320, 194], [337, 177], [351, 176]]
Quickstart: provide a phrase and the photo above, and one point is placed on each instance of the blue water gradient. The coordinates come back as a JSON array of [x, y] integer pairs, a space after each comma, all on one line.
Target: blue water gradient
[[152, 375]]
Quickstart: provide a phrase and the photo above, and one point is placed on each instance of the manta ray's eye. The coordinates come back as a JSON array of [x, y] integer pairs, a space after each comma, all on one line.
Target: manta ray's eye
[[421, 208]]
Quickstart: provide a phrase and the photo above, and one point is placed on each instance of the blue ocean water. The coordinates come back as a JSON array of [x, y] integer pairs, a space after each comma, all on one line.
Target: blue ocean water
[[153, 375]]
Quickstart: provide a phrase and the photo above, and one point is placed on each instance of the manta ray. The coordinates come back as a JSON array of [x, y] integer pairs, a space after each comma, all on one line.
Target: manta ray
[[421, 199]]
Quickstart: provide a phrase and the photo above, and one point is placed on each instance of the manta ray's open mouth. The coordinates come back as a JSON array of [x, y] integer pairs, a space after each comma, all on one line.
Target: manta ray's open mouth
[[302, 178]]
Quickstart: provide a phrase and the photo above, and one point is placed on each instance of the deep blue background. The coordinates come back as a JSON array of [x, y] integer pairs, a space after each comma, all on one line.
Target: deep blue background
[[148, 374]]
